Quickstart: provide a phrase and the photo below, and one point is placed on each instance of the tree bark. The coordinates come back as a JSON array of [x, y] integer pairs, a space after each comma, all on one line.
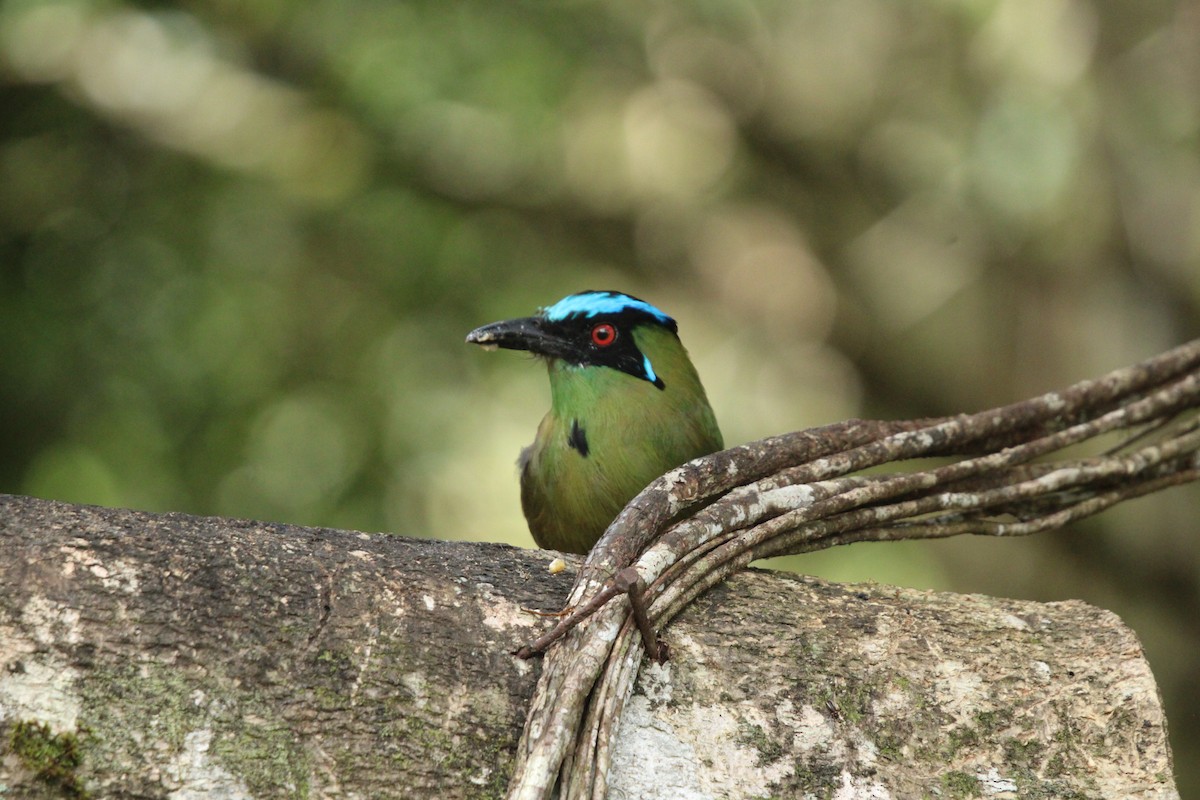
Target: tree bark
[[150, 655]]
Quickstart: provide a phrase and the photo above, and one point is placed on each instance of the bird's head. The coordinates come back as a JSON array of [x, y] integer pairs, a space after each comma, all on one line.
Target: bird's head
[[590, 328]]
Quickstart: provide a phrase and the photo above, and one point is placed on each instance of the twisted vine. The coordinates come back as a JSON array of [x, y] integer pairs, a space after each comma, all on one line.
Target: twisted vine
[[698, 524]]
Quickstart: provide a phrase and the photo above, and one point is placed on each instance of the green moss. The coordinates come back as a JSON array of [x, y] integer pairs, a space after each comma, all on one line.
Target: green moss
[[991, 721], [134, 707], [130, 704], [457, 755], [959, 737], [1049, 790], [1068, 730], [817, 780], [411, 738], [1027, 754], [854, 703], [264, 757], [53, 758], [1056, 767], [849, 700], [960, 785], [891, 748], [769, 750]]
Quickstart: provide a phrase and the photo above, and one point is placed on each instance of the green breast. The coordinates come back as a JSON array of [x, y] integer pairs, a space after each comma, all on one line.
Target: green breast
[[606, 436]]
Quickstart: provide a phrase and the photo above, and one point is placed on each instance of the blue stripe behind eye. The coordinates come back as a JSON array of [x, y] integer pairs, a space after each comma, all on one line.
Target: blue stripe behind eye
[[591, 304], [650, 376]]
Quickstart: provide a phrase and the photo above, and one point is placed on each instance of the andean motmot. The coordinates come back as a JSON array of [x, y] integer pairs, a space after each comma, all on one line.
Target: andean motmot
[[626, 406]]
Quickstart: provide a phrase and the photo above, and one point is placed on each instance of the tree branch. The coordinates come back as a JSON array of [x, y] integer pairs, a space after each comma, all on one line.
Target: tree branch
[[163, 655]]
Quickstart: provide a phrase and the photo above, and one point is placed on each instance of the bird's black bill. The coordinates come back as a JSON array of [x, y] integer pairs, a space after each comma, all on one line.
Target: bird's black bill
[[527, 333]]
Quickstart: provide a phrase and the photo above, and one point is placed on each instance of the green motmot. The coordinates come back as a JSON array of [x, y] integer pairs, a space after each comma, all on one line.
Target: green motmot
[[626, 406]]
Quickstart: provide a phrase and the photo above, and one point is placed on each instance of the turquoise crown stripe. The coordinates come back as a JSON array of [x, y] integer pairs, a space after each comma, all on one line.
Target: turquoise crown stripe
[[591, 304]]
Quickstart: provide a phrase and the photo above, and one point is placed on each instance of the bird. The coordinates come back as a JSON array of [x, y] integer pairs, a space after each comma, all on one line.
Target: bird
[[626, 406]]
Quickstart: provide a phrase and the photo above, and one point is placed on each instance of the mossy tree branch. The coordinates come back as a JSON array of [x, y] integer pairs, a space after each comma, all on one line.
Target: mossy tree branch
[[162, 655]]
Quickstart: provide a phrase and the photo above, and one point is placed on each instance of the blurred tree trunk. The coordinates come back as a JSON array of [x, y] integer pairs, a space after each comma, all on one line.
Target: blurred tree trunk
[[161, 654]]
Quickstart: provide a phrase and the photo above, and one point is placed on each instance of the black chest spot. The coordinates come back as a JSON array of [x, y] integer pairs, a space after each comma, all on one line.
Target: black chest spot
[[577, 438]]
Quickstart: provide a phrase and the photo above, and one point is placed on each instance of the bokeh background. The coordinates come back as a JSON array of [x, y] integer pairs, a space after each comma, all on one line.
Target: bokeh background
[[241, 243]]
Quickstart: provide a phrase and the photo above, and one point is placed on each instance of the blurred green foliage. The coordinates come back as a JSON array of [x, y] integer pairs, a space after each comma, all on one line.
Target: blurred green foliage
[[241, 242]]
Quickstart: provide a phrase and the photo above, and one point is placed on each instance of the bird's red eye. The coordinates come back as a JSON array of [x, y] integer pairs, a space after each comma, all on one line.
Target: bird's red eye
[[604, 334]]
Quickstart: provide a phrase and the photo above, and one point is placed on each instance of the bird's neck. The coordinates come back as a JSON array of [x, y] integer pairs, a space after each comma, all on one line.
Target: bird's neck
[[589, 390]]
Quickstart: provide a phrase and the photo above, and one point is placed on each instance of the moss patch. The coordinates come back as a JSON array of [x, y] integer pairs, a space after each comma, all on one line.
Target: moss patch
[[990, 722], [139, 709], [53, 758], [817, 779], [960, 784], [769, 749]]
